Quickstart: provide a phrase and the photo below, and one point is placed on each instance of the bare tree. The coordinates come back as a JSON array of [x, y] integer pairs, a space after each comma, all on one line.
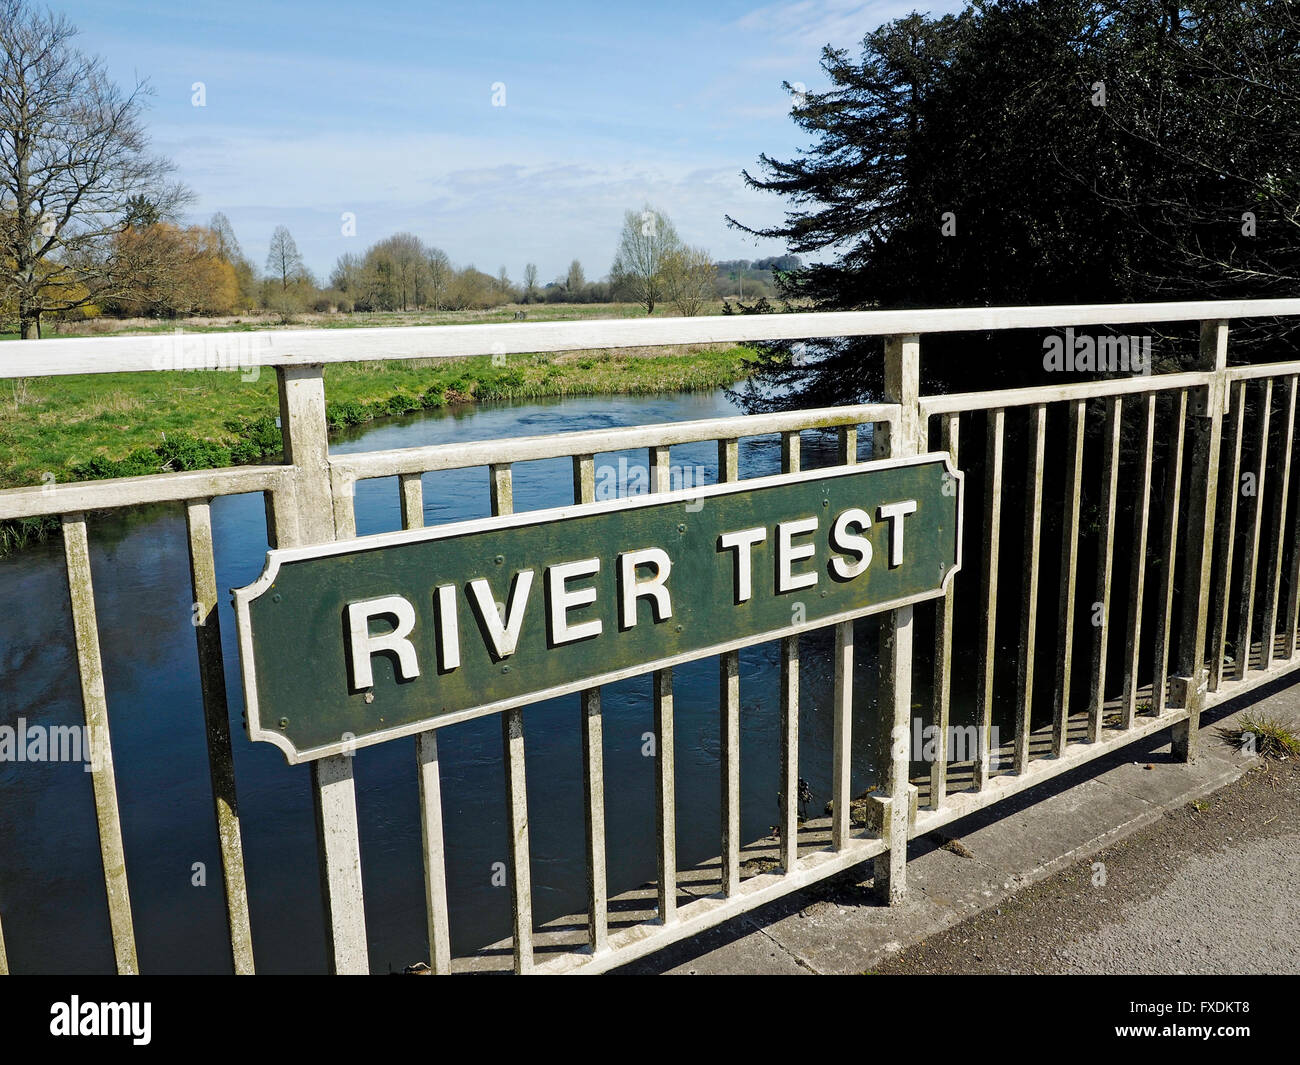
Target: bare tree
[[227, 242], [228, 248], [284, 261], [689, 279], [74, 157], [576, 280], [647, 241], [347, 275], [440, 276], [401, 266], [473, 289], [174, 272], [530, 282]]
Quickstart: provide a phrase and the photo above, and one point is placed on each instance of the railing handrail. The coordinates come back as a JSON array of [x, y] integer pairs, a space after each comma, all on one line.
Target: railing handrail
[[432, 457], [310, 499], [290, 347]]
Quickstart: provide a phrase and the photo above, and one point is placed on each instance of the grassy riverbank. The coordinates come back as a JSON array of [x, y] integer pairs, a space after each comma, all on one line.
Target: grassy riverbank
[[81, 428], [77, 428], [121, 425]]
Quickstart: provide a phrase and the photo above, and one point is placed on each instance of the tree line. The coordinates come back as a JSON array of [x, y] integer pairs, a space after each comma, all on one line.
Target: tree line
[[403, 273], [1028, 152], [90, 223]]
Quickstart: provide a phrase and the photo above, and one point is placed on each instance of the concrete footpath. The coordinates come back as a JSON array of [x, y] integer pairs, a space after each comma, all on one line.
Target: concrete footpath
[[1134, 864]]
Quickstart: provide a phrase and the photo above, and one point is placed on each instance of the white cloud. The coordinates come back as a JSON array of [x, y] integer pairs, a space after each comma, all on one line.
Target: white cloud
[[841, 23], [541, 204]]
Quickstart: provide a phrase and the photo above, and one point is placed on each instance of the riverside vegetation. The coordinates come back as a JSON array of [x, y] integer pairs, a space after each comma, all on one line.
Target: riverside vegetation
[[79, 428]]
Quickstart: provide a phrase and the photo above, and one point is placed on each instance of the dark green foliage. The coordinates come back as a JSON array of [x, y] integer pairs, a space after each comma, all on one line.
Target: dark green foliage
[[500, 385], [992, 116], [257, 438], [340, 415], [23, 532]]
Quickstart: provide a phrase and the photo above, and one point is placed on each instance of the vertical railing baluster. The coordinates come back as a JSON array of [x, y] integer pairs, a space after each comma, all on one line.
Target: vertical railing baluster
[[949, 441], [343, 490], [1269, 648], [993, 454], [317, 512], [842, 737], [216, 720], [1029, 599], [1191, 682], [842, 694], [666, 792], [502, 499], [1291, 623], [790, 458], [1246, 617], [437, 914], [1069, 577], [512, 735], [1100, 613], [90, 666], [429, 776], [1138, 569], [847, 445], [729, 668], [411, 488], [789, 710], [1227, 540], [903, 437], [729, 724], [789, 754], [665, 799], [1169, 548], [593, 762]]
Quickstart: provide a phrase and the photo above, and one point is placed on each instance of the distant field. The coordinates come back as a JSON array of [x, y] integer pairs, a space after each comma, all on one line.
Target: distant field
[[533, 312]]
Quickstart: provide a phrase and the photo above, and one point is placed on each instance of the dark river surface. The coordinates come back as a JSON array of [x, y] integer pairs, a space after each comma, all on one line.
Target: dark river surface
[[52, 901]]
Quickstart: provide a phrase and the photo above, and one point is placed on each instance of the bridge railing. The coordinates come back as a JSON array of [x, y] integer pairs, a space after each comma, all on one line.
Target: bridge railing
[[1223, 560]]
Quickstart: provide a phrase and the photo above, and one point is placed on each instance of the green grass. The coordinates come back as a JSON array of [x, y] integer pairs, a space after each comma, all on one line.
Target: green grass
[[88, 427], [116, 425], [1268, 736]]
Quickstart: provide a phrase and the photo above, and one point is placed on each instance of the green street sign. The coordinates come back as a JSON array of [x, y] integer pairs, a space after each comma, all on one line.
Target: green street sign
[[353, 643]]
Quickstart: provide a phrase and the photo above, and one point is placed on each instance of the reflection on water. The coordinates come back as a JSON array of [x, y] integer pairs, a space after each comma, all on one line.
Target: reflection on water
[[51, 885]]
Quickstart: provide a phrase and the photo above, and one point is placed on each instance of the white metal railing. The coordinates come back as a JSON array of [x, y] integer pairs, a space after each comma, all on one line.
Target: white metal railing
[[310, 500]]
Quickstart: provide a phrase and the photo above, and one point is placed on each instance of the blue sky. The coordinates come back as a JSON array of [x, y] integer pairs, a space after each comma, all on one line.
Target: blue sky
[[385, 110]]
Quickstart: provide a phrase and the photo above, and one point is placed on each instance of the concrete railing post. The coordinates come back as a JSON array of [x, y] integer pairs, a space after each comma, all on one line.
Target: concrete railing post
[[310, 520], [1191, 680], [898, 805]]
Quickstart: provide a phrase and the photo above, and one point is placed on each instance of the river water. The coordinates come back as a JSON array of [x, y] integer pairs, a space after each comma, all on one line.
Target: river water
[[52, 901]]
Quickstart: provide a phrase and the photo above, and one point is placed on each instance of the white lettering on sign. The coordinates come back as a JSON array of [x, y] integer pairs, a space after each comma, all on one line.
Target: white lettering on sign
[[743, 542], [448, 628], [894, 514], [562, 600], [640, 574], [787, 554], [363, 644], [502, 631], [653, 588], [846, 543]]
